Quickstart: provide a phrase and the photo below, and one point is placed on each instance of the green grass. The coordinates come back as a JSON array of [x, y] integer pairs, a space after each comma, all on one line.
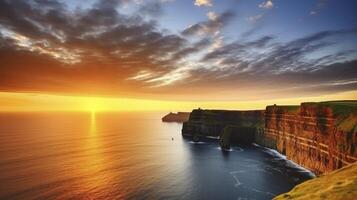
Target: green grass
[[292, 109], [287, 109], [345, 113], [341, 107], [338, 185]]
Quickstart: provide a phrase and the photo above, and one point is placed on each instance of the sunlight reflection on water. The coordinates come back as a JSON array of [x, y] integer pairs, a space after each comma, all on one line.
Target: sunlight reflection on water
[[126, 156]]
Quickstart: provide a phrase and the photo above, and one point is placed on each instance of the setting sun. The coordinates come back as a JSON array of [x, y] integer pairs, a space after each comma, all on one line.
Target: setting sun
[[92, 104]]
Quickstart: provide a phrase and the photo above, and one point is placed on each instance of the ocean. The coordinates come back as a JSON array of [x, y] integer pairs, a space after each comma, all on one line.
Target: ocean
[[130, 156]]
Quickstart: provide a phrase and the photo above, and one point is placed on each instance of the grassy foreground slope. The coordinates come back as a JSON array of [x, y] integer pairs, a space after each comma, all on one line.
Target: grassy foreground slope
[[338, 185]]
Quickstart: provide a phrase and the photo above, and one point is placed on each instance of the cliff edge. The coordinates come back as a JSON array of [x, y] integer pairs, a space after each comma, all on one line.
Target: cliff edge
[[338, 185]]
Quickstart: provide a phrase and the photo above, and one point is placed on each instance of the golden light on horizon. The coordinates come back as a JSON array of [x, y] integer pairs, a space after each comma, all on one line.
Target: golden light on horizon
[[92, 105], [31, 102]]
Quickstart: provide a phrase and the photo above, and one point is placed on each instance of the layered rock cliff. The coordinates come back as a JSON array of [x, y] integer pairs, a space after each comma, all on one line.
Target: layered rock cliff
[[319, 136]]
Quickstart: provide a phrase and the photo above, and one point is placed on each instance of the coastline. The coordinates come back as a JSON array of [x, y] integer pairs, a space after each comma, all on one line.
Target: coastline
[[318, 138], [294, 164]]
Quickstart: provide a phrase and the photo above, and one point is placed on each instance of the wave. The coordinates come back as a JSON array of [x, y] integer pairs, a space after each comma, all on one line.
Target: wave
[[290, 163], [213, 137], [237, 149], [192, 142]]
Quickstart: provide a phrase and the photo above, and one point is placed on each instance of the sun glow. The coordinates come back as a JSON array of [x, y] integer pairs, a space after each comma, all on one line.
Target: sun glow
[[92, 105], [30, 102]]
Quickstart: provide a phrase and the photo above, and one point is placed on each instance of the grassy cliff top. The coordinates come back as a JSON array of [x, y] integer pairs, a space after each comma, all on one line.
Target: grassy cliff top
[[337, 107], [345, 113], [224, 111], [341, 107], [338, 185], [345, 107], [288, 109]]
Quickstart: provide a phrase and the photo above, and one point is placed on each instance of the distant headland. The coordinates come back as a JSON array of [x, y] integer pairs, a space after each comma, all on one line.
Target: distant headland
[[176, 117]]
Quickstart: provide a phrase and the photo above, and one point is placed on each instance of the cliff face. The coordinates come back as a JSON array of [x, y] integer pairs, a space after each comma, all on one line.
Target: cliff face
[[319, 136], [203, 123], [236, 134]]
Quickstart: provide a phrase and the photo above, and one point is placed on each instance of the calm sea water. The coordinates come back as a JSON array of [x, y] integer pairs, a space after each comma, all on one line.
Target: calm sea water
[[129, 156]]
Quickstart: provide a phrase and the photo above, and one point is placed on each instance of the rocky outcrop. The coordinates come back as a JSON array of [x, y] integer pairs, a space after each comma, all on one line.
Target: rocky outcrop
[[176, 117], [236, 134], [338, 185], [319, 136]]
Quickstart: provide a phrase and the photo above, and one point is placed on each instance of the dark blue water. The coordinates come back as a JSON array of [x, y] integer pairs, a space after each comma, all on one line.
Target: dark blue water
[[129, 156]]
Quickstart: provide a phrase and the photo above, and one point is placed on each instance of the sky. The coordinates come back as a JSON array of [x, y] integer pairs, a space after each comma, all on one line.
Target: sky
[[176, 54]]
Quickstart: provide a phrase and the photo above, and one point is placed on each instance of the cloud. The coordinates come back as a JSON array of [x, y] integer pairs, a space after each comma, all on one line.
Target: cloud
[[265, 55], [47, 47], [194, 48], [173, 76], [98, 39], [212, 16], [211, 28], [218, 42], [215, 23], [266, 4], [313, 12], [255, 18], [151, 9], [281, 68], [320, 4], [203, 3]]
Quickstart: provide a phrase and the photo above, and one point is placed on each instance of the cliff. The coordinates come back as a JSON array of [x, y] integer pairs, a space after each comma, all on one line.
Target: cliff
[[211, 123], [176, 117], [338, 185], [319, 136]]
